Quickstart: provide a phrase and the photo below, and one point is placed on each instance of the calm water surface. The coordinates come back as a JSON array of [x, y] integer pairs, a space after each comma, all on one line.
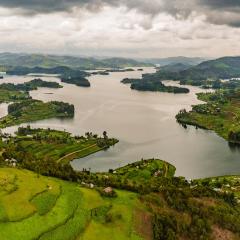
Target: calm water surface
[[144, 122]]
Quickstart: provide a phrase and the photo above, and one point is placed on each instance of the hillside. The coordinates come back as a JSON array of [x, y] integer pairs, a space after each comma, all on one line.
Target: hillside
[[205, 72], [50, 61], [222, 68], [175, 60], [46, 208], [175, 67], [37, 207]]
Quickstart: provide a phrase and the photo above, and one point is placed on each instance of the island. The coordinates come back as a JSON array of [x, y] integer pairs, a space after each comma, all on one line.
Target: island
[[76, 80], [29, 86], [66, 74], [220, 113], [32, 110], [147, 83]]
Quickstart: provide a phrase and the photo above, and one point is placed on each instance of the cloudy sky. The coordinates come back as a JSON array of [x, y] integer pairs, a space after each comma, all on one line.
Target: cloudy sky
[[128, 28]]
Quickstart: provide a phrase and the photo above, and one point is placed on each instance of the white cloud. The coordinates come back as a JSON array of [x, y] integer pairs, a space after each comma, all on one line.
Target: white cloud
[[116, 31]]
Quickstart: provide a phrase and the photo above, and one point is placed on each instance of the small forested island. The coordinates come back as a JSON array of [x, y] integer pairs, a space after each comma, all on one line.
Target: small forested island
[[66, 74], [106, 72], [147, 83], [76, 80], [29, 86], [33, 110], [100, 73], [220, 113]]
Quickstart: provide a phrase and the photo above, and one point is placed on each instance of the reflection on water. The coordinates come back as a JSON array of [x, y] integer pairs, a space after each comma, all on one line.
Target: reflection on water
[[144, 122]]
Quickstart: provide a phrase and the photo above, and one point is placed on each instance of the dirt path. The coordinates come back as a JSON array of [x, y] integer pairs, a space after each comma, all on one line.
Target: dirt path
[[166, 170], [72, 153]]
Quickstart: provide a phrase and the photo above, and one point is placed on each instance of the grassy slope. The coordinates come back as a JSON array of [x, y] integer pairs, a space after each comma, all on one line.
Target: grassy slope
[[67, 215], [53, 209], [143, 170], [57, 151], [57, 146]]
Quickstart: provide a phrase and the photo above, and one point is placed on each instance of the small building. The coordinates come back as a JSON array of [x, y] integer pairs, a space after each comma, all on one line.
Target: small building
[[13, 162], [158, 173], [108, 190]]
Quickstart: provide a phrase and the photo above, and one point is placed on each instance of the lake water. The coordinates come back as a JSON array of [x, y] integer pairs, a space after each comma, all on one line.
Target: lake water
[[144, 122]]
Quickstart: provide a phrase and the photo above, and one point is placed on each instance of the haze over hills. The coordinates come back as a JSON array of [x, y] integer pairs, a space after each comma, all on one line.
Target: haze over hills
[[175, 67], [174, 60], [49, 61], [221, 68]]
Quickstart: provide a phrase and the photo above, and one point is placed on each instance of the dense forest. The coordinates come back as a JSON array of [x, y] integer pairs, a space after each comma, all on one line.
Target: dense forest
[[149, 83]]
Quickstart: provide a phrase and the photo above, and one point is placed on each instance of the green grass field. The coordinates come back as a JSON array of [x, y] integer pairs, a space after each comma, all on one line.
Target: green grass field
[[37, 207]]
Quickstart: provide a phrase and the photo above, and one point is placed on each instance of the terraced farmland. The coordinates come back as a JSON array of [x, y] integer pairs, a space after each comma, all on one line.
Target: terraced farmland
[[37, 207]]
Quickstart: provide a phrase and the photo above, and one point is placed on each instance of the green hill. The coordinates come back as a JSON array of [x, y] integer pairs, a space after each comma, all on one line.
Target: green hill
[[36, 207], [174, 60], [176, 67], [50, 61], [161, 207], [204, 73], [222, 68]]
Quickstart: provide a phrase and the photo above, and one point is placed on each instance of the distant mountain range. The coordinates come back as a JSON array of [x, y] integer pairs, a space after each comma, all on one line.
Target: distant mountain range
[[175, 67], [221, 68], [50, 61], [175, 60]]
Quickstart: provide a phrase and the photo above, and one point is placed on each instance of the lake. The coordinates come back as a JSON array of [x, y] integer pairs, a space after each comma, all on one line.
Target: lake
[[144, 122]]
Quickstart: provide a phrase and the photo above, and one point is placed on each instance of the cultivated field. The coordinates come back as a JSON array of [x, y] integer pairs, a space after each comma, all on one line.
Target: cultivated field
[[37, 207]]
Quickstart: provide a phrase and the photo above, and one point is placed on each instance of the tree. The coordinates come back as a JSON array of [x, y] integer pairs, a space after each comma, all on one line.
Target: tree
[[105, 136]]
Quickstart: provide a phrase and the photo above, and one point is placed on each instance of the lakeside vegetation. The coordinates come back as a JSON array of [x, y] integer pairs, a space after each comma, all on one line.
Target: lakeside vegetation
[[66, 74], [162, 208], [10, 92], [29, 86], [12, 95], [143, 200], [147, 83], [46, 151], [220, 113], [75, 79], [32, 110]]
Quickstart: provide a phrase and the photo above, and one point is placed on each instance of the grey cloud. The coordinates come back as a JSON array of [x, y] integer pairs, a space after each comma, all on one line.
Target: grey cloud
[[220, 12]]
